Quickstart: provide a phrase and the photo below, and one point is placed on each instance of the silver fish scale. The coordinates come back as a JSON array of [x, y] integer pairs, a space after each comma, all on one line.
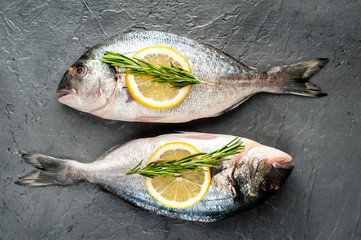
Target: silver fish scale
[[216, 204], [232, 79], [240, 183]]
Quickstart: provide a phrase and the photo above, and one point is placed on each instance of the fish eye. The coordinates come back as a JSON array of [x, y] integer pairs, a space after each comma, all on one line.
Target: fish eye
[[267, 186], [79, 70]]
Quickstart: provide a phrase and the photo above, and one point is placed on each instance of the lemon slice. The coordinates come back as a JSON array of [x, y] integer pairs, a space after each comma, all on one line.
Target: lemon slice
[[157, 95], [178, 192]]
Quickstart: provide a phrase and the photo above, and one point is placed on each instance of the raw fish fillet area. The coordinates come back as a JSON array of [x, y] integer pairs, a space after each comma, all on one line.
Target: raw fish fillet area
[[320, 200]]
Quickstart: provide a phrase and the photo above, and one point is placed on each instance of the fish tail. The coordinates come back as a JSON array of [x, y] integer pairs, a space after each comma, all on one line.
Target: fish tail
[[51, 171], [294, 78]]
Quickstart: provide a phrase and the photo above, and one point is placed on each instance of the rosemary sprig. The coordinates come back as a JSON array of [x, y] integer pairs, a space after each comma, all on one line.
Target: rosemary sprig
[[176, 76], [176, 167]]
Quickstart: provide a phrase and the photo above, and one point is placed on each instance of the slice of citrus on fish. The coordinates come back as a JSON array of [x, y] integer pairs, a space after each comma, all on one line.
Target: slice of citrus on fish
[[182, 191], [157, 95]]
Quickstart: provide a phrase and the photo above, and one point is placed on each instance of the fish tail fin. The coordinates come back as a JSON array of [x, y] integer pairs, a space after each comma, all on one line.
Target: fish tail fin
[[294, 78], [51, 171]]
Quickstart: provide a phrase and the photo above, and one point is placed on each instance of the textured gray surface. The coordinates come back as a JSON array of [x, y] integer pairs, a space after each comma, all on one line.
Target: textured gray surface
[[322, 197]]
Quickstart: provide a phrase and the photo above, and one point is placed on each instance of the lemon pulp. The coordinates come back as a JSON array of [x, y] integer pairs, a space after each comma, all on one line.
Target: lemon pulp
[[157, 95], [182, 191]]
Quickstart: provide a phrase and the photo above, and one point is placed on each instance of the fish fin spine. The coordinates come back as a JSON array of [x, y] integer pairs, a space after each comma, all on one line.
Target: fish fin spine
[[294, 78], [50, 171]]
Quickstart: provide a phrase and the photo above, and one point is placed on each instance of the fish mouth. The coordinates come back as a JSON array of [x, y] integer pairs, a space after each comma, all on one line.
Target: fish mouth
[[63, 92], [65, 86], [283, 165], [283, 162], [66, 96]]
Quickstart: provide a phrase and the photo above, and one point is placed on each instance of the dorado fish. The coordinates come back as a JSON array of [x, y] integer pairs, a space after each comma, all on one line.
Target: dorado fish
[[97, 88], [242, 182]]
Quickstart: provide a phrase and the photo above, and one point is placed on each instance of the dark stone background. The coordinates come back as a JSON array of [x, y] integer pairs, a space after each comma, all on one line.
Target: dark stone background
[[321, 199]]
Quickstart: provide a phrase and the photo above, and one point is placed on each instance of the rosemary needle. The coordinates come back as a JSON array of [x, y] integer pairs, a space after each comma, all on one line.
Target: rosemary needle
[[176, 167], [176, 76]]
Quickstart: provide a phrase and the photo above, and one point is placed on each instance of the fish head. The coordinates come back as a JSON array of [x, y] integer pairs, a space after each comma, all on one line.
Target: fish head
[[260, 172], [87, 85]]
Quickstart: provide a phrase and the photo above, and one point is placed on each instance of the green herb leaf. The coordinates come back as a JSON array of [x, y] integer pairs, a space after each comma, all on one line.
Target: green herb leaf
[[176, 76], [176, 167]]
